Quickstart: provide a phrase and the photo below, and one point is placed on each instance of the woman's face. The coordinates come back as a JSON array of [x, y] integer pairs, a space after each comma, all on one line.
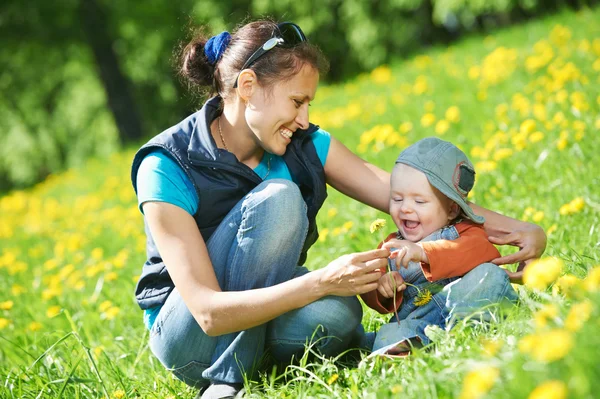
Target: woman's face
[[274, 115]]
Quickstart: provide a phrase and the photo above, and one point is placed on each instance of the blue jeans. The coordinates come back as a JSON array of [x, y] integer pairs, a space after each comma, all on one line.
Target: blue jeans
[[257, 245], [453, 299]]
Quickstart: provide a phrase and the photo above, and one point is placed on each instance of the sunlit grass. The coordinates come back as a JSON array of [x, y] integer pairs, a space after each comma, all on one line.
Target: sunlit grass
[[523, 103]]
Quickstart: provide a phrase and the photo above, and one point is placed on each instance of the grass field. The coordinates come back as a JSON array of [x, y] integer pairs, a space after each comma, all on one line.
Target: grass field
[[523, 103]]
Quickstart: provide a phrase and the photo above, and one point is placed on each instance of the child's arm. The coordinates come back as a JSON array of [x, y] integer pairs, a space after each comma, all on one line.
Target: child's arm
[[453, 258], [450, 258]]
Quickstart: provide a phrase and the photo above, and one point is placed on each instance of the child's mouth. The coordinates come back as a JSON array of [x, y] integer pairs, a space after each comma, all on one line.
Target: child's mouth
[[410, 224]]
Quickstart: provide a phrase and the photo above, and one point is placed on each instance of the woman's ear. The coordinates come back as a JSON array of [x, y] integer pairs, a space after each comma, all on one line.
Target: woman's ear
[[454, 211], [247, 84]]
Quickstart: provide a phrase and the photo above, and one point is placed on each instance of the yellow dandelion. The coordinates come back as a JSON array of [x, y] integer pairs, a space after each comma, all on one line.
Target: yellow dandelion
[[528, 126], [423, 297], [552, 389], [592, 282], [479, 382], [4, 323], [547, 312], [322, 237], [453, 114], [34, 326], [485, 166], [332, 212], [381, 74], [442, 127], [527, 343], [550, 346], [566, 285], [377, 225], [6, 305], [397, 389], [502, 153], [428, 120], [538, 216], [474, 72], [104, 306], [405, 127], [542, 272], [536, 136], [17, 289], [347, 225], [578, 315], [332, 379], [97, 253], [575, 206], [118, 394], [429, 106], [112, 312], [491, 347], [53, 311], [561, 144], [552, 229]]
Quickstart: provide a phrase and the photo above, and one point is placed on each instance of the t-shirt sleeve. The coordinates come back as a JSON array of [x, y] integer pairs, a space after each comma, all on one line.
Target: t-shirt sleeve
[[322, 141], [161, 179], [453, 258]]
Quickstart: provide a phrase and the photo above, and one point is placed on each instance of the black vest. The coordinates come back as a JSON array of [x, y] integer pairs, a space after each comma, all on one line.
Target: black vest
[[224, 182]]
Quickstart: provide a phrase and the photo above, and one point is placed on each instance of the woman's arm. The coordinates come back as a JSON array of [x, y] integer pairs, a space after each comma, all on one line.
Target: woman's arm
[[357, 178], [184, 252]]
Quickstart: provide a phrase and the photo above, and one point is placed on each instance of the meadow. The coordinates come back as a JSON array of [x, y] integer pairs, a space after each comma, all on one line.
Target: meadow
[[523, 103]]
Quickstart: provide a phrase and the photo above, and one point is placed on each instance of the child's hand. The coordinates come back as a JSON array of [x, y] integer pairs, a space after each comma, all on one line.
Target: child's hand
[[387, 283], [406, 251]]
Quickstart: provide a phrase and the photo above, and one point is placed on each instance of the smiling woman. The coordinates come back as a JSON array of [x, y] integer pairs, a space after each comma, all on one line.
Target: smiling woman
[[230, 197]]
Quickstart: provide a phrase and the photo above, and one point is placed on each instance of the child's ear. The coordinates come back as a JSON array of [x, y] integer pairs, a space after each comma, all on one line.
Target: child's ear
[[454, 211]]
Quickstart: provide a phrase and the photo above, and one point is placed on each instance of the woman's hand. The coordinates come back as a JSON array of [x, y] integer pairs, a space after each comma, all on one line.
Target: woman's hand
[[531, 241], [353, 274]]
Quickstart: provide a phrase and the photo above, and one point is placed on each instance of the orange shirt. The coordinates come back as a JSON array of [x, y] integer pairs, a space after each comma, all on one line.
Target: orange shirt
[[447, 258]]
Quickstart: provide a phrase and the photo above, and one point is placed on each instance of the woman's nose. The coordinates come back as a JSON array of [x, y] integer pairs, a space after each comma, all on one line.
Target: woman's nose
[[302, 117]]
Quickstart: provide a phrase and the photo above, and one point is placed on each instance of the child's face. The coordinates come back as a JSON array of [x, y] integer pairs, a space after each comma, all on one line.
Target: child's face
[[418, 208]]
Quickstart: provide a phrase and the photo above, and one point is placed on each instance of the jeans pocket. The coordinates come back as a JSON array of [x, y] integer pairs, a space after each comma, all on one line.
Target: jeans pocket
[[191, 374]]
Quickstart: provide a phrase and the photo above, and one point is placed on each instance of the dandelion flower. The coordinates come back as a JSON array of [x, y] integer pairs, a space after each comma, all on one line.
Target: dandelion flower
[[479, 382], [578, 315], [442, 126], [53, 311], [6, 305], [34, 326], [592, 281], [377, 225], [4, 323], [332, 379], [552, 389], [453, 114], [547, 312], [118, 394], [428, 120], [566, 285], [538, 216], [540, 273], [551, 345], [423, 297]]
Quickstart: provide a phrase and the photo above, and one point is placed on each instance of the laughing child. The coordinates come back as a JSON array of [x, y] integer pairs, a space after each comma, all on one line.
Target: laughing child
[[439, 240]]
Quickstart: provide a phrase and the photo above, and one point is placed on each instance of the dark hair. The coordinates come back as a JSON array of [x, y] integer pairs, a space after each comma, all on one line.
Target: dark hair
[[276, 65]]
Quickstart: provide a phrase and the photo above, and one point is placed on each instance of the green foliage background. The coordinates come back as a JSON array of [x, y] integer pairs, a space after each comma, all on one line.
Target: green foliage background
[[53, 108]]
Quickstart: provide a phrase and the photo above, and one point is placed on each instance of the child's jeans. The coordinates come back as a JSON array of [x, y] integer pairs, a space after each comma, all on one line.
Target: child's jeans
[[452, 299]]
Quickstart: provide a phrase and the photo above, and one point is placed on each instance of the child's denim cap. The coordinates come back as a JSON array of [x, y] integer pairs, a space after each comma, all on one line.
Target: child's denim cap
[[447, 168]]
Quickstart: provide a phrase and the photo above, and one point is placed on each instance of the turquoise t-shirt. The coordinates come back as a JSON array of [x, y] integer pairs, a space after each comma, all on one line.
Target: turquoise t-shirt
[[161, 179]]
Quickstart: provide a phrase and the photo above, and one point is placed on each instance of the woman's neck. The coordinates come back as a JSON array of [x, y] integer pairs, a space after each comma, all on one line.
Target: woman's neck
[[234, 135]]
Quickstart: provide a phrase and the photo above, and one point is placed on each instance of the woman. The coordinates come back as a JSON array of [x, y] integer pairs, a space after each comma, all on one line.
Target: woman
[[230, 196]]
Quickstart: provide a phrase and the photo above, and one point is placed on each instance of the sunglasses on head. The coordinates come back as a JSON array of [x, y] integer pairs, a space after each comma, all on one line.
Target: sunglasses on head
[[287, 35]]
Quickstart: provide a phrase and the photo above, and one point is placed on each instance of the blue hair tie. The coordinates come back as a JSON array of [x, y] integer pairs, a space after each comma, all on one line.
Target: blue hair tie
[[215, 47]]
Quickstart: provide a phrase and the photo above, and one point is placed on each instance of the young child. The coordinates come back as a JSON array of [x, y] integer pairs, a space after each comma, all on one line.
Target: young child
[[439, 239]]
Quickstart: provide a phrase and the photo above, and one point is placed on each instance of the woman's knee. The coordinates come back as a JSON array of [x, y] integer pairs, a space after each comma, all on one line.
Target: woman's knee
[[278, 203]]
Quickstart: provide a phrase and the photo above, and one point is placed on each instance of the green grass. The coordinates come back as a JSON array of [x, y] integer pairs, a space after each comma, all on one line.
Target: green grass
[[72, 247]]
